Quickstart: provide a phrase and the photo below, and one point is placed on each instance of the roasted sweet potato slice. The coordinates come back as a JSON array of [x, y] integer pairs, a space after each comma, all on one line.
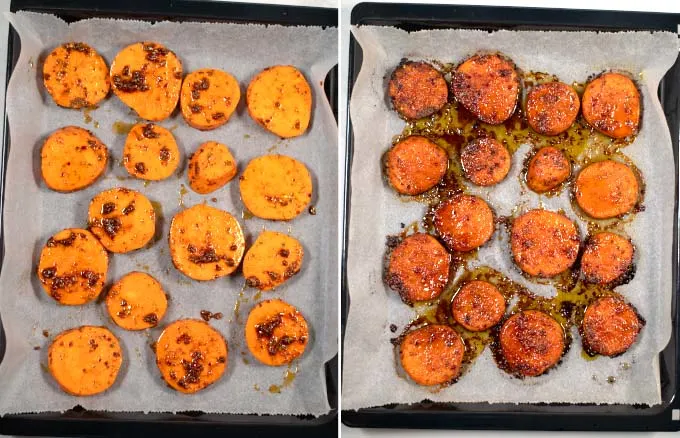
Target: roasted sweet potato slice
[[150, 152], [122, 219], [76, 76], [71, 159], [415, 165], [191, 355], [273, 259], [209, 97], [606, 189], [432, 355], [611, 104], [85, 360], [607, 258], [211, 167], [531, 342], [280, 100], [276, 332], [485, 161], [136, 302], [206, 243], [275, 187], [544, 243], [464, 222], [478, 305], [552, 107], [488, 86], [548, 168], [610, 327], [73, 266], [417, 89], [418, 268], [147, 77]]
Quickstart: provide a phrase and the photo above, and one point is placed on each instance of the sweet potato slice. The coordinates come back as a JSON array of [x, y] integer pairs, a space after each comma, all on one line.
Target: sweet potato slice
[[208, 98], [478, 305], [417, 89], [191, 355], [548, 168], [73, 266], [544, 243], [136, 302], [531, 342], [607, 258], [280, 100], [150, 152], [611, 104], [273, 259], [211, 167], [76, 76], [552, 107], [276, 332], [610, 327], [275, 187], [147, 77], [488, 86], [206, 243], [418, 268], [485, 161], [432, 355], [606, 189], [464, 222], [71, 159], [415, 165], [85, 360], [122, 219]]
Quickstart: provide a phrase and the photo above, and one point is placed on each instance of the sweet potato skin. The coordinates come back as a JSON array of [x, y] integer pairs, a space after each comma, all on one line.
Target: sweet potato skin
[[76, 76], [73, 267], [147, 77], [208, 98], [273, 259], [276, 332], [85, 360], [280, 100], [205, 243], [191, 355], [72, 159]]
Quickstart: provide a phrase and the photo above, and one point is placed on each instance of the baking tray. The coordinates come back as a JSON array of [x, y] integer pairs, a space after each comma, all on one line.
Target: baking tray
[[539, 416], [79, 421]]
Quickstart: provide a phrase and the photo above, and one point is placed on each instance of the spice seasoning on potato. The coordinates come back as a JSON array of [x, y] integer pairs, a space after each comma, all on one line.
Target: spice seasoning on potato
[[76, 76], [275, 187], [71, 159], [73, 266], [147, 77], [211, 167], [85, 360], [208, 98], [206, 243], [150, 152], [122, 219], [280, 100]]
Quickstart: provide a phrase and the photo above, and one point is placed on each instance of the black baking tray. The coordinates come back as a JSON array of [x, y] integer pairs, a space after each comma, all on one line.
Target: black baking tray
[[541, 416], [79, 421]]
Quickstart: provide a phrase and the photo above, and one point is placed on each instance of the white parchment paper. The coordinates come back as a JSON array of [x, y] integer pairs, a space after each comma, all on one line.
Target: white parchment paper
[[33, 213], [369, 372]]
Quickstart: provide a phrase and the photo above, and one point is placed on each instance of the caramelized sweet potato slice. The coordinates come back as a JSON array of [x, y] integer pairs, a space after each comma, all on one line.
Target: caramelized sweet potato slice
[[548, 168], [606, 189], [464, 222], [273, 259], [136, 302], [478, 306], [417, 89], [150, 152], [211, 167], [432, 355], [208, 98], [485, 161], [612, 105], [415, 165], [610, 327], [552, 108], [607, 258]]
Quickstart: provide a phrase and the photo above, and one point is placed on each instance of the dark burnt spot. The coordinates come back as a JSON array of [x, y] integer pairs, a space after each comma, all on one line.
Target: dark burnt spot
[[155, 53], [93, 344], [178, 75], [205, 255], [196, 108], [218, 116], [62, 282], [206, 315], [201, 85], [266, 329], [273, 275], [393, 328], [277, 345], [283, 252], [46, 77], [148, 131], [111, 225], [192, 370], [252, 282], [140, 168], [221, 359], [130, 83], [164, 155], [116, 354], [233, 247], [108, 207], [48, 273], [151, 318], [91, 277], [195, 94], [52, 242], [129, 209], [312, 210], [184, 338], [77, 47]]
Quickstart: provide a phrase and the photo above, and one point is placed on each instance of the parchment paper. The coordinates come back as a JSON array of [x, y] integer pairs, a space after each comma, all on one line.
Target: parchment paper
[[370, 376], [33, 213]]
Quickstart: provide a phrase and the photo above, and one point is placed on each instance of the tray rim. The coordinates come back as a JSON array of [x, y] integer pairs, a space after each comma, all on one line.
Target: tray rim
[[81, 422], [541, 416]]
